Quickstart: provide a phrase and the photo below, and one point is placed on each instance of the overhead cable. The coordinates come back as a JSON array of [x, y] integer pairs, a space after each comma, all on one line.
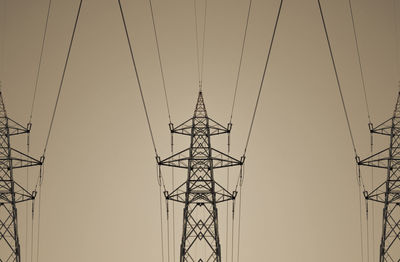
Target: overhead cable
[[200, 61], [359, 61], [40, 61], [160, 61], [337, 79], [62, 78], [263, 76], [240, 60], [137, 76]]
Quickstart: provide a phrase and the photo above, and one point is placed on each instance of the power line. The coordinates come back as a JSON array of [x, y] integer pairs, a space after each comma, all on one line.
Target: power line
[[346, 115], [40, 60], [359, 61], [137, 76], [337, 78], [263, 76], [241, 59], [3, 40], [200, 62], [160, 62], [62, 77]]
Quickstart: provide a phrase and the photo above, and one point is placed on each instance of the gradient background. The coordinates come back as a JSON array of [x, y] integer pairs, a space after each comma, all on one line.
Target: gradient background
[[100, 197]]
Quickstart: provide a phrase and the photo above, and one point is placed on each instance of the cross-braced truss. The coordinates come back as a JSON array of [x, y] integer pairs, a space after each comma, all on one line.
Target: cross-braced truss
[[388, 190], [11, 192], [200, 193]]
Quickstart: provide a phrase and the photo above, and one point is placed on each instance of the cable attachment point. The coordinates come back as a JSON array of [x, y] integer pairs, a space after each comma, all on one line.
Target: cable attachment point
[[41, 160], [358, 160], [171, 127], [34, 194], [365, 193], [234, 194], [166, 195], [29, 127], [158, 160], [371, 127], [242, 160], [229, 128]]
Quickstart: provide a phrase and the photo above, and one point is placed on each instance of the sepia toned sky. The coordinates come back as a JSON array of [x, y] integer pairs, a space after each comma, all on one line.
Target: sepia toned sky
[[100, 198]]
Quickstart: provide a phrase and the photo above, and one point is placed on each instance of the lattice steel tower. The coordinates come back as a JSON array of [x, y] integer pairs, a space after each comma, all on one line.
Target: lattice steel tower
[[11, 192], [200, 193], [388, 190]]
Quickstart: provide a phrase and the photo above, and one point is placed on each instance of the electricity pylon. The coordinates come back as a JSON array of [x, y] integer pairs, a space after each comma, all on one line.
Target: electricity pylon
[[11, 192], [388, 190], [200, 193]]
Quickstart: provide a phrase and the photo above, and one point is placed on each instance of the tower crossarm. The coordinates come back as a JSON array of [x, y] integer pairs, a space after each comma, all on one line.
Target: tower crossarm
[[21, 194], [20, 160], [215, 128], [385, 128], [221, 194], [14, 128], [379, 160], [219, 159]]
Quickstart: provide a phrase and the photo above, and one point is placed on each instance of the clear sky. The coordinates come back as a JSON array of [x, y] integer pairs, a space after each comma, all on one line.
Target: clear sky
[[100, 198]]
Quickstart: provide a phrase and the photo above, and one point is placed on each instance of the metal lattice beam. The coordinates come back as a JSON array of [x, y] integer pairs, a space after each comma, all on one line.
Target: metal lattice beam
[[388, 191], [11, 192], [200, 193]]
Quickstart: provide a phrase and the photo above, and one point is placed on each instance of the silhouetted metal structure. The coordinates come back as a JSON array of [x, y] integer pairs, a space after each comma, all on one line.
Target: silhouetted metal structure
[[388, 190], [11, 192], [200, 193]]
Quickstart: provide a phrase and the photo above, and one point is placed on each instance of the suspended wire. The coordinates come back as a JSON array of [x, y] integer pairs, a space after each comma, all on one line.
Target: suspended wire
[[162, 228], [62, 77], [372, 205], [241, 59], [203, 44], [337, 78], [233, 229], [227, 211], [27, 203], [367, 218], [137, 76], [38, 226], [361, 227], [263, 76], [200, 62], [359, 61], [29, 125], [159, 60], [173, 202], [3, 39], [240, 211], [32, 227], [40, 61], [396, 35]]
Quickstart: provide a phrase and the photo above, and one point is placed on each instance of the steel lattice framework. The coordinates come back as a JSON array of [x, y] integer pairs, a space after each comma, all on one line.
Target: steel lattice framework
[[388, 190], [11, 192], [200, 193]]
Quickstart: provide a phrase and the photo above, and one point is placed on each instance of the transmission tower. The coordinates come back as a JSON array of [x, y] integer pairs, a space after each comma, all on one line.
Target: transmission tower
[[11, 192], [200, 193], [388, 190]]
